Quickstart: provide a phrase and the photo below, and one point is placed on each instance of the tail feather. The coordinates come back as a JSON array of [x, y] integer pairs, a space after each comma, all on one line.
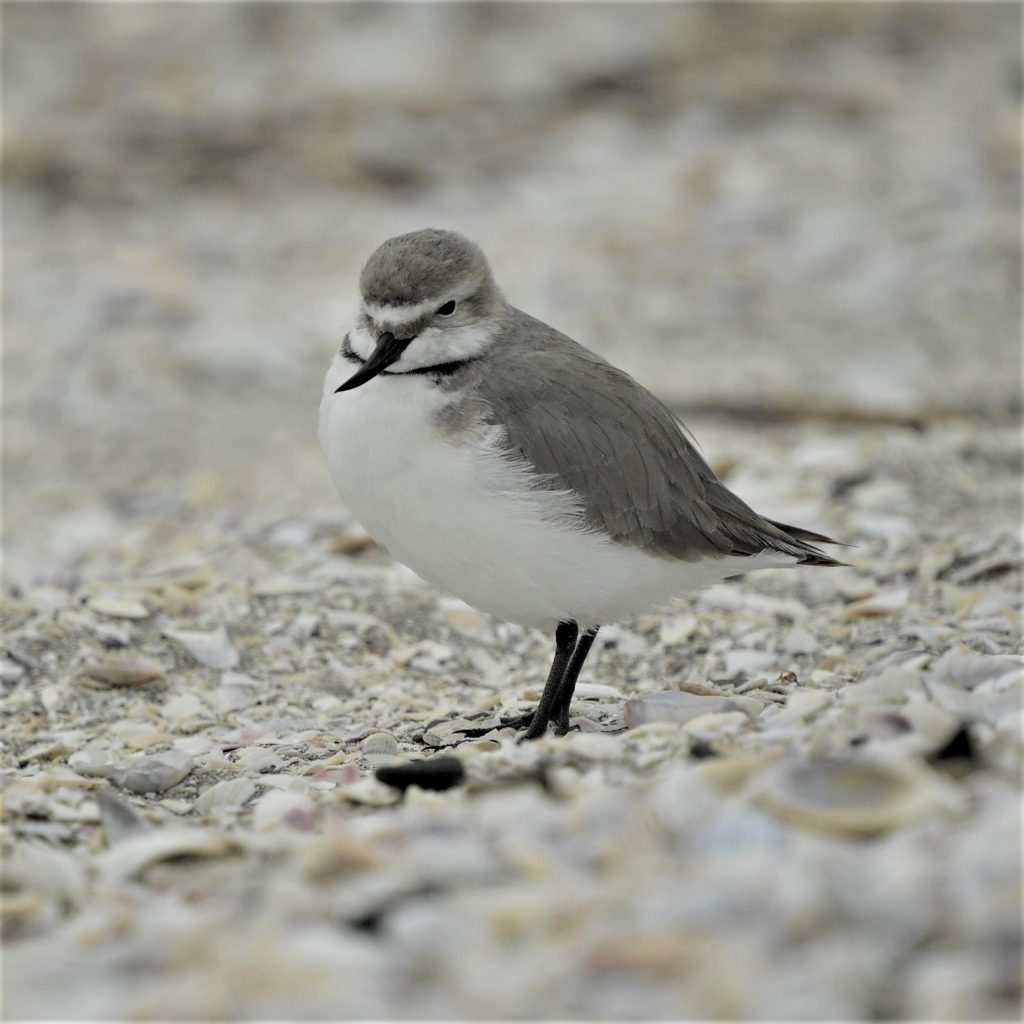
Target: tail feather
[[807, 539], [809, 536]]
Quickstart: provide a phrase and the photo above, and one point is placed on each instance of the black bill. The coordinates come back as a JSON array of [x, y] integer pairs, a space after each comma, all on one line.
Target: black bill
[[389, 350]]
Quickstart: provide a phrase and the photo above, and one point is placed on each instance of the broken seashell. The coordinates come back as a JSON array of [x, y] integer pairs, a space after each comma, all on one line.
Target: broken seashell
[[131, 858], [46, 869], [680, 706], [886, 603], [118, 818], [140, 773], [800, 641], [801, 706], [212, 649], [596, 746], [184, 706], [230, 794], [335, 855], [369, 792], [717, 723], [971, 670], [893, 683], [737, 661], [677, 629], [281, 807], [451, 732], [596, 691], [118, 607], [284, 584]]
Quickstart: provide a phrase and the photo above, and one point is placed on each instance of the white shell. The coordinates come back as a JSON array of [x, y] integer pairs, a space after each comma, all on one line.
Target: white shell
[[227, 795], [212, 649], [680, 706], [131, 858], [379, 748], [853, 797], [118, 607]]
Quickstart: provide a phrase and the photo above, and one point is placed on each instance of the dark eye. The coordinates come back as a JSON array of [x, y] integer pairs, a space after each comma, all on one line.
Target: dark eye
[[447, 309]]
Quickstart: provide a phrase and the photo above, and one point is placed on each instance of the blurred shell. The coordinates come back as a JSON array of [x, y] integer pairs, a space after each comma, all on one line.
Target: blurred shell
[[214, 649], [853, 797], [132, 857], [737, 661], [679, 706], [279, 807], [885, 603], [678, 629], [337, 854], [46, 869], [227, 795], [128, 671], [118, 607], [971, 670], [379, 748], [801, 706], [140, 773], [118, 818]]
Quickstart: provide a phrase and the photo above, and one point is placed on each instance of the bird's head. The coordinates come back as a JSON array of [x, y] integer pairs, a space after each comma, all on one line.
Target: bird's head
[[428, 299]]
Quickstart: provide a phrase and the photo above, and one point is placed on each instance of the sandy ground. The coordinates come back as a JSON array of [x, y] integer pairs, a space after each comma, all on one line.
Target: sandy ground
[[795, 796]]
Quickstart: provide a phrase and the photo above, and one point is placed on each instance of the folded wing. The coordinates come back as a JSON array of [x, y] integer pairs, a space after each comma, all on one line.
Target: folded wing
[[589, 427]]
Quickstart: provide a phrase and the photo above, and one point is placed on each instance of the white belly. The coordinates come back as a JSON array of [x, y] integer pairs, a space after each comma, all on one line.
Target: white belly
[[465, 518]]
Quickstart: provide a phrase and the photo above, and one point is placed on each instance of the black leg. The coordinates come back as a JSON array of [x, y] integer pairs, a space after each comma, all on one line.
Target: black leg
[[572, 671], [565, 644]]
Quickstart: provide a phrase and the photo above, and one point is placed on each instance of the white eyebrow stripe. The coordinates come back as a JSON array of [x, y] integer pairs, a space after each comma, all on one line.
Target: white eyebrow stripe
[[400, 314]]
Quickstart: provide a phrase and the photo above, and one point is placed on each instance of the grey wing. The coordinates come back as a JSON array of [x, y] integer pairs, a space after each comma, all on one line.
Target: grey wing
[[589, 427]]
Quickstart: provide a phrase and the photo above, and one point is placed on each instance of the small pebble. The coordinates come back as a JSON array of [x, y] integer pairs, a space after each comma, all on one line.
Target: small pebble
[[436, 773]]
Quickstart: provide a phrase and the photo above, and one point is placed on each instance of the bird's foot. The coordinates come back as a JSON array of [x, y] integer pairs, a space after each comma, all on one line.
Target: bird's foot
[[517, 722], [527, 721]]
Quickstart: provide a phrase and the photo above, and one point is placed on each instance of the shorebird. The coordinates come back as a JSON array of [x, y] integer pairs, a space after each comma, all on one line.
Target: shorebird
[[509, 465]]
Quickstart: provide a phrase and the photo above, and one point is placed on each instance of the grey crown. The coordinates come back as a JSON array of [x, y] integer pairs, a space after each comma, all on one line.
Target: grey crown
[[409, 269]]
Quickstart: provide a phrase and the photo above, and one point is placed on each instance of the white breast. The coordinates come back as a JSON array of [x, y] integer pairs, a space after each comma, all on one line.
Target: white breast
[[464, 516]]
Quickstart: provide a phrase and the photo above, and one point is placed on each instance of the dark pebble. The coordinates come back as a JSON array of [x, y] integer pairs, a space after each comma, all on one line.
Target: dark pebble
[[430, 773]]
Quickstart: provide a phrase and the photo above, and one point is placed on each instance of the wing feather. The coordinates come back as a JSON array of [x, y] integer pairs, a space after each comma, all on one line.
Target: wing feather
[[588, 427]]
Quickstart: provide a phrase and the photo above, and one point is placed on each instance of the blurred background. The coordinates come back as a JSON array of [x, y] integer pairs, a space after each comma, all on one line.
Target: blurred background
[[782, 210]]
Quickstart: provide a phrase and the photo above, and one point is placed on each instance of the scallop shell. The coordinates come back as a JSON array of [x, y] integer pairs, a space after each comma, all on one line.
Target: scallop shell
[[379, 748]]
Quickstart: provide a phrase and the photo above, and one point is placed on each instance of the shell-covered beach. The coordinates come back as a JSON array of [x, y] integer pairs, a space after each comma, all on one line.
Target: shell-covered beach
[[793, 796]]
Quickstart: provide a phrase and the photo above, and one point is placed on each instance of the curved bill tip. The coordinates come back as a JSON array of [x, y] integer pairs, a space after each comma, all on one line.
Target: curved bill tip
[[389, 350]]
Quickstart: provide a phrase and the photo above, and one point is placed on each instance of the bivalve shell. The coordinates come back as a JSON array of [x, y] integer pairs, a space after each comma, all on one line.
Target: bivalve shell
[[379, 748], [852, 797]]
